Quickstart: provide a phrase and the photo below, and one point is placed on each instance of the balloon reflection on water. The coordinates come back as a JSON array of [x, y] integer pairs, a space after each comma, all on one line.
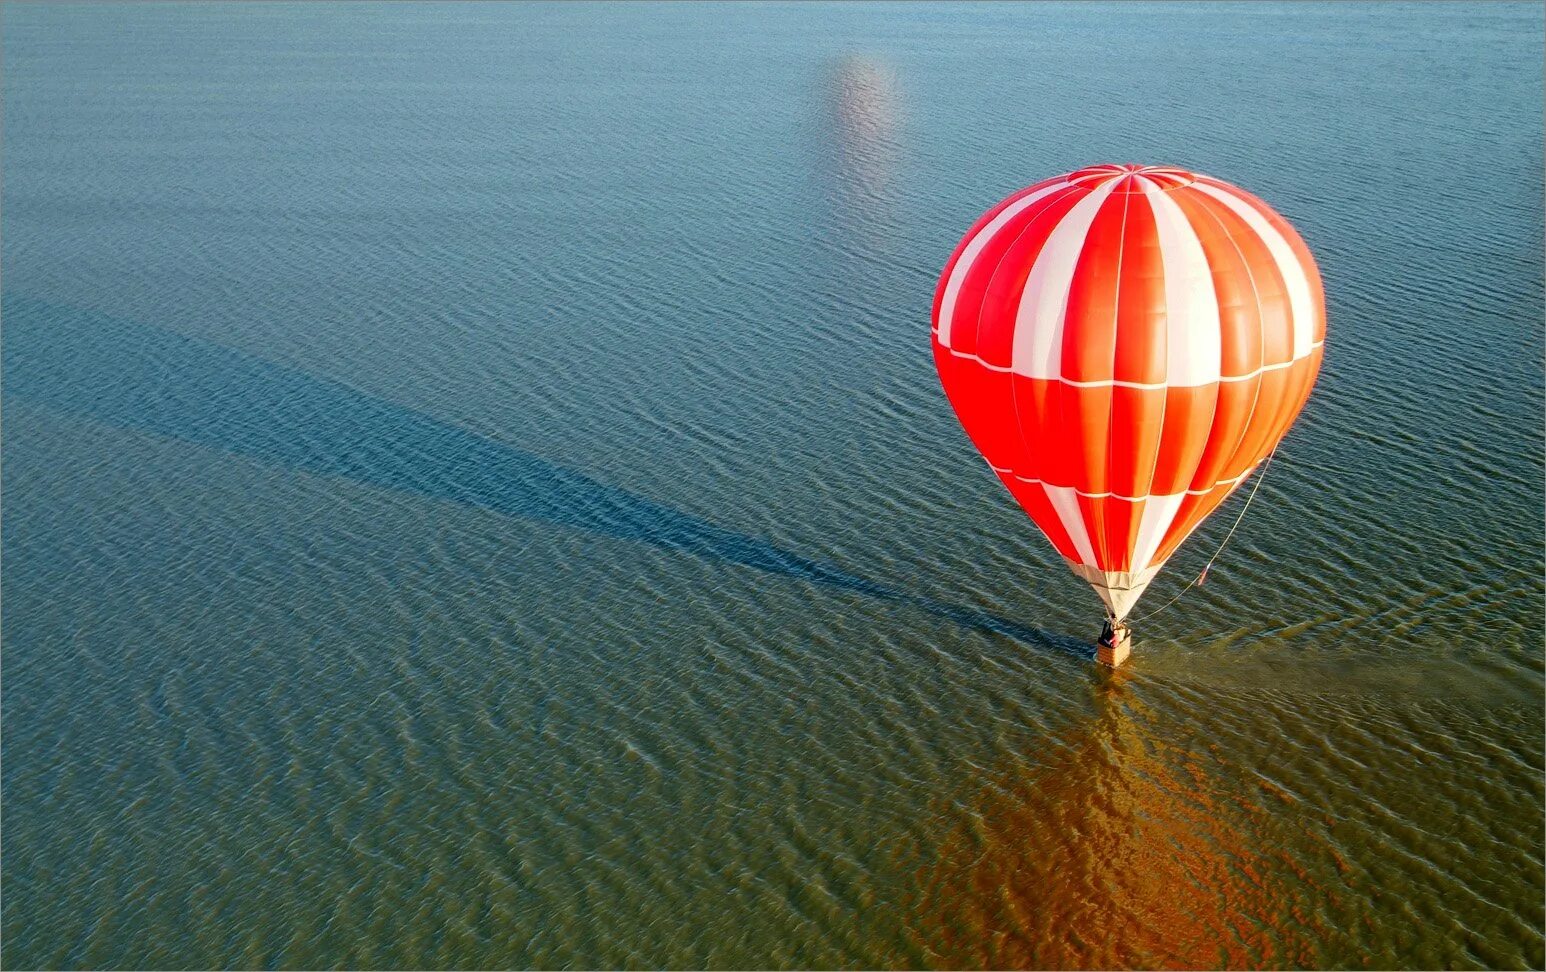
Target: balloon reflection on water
[[1117, 849]]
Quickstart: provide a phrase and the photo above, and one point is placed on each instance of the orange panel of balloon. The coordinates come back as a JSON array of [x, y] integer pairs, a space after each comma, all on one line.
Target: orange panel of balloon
[[1125, 344]]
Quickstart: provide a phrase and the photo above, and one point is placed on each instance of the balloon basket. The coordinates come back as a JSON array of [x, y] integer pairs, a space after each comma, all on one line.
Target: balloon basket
[[1114, 644]]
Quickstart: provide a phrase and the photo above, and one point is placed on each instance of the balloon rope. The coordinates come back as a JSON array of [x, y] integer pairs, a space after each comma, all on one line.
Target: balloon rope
[[1204, 572]]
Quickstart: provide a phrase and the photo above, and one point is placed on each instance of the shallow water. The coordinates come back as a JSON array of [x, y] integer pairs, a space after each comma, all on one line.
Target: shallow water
[[476, 493]]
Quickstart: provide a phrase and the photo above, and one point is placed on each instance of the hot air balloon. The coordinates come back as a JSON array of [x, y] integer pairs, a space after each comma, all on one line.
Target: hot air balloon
[[1124, 345]]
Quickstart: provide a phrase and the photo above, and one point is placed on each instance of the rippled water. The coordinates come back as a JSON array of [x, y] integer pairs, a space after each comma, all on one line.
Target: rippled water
[[476, 493]]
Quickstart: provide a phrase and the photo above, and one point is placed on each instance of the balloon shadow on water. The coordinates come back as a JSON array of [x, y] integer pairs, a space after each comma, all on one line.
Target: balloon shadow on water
[[150, 379]]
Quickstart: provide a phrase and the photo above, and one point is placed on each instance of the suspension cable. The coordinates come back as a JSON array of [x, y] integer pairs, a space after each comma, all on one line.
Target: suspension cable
[[1204, 572]]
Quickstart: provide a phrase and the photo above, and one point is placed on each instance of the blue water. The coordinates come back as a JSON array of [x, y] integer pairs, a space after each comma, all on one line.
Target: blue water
[[476, 494]]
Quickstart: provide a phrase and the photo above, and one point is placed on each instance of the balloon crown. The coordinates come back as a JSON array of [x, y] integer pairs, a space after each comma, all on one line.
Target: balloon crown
[[1166, 177]]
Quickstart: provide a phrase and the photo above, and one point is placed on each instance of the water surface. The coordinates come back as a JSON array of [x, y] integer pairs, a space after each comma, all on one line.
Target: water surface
[[477, 494]]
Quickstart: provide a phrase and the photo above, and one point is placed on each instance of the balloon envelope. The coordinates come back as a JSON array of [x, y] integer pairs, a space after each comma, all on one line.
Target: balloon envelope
[[1125, 344]]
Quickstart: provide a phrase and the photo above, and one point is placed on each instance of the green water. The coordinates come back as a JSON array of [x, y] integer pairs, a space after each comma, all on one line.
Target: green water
[[476, 494]]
